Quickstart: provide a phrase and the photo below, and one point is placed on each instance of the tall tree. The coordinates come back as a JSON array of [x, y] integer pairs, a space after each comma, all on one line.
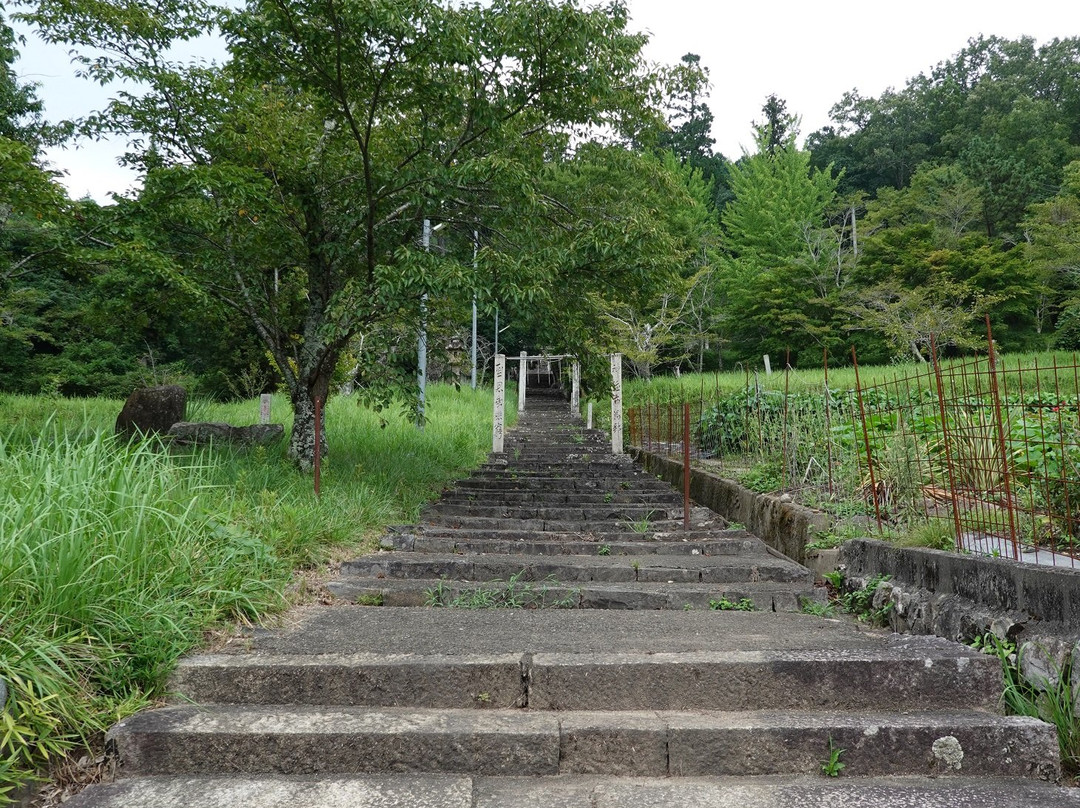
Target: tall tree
[[771, 234], [293, 183], [776, 131], [690, 122]]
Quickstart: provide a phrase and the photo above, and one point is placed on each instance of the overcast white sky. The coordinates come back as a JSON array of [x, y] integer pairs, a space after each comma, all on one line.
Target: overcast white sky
[[808, 53]]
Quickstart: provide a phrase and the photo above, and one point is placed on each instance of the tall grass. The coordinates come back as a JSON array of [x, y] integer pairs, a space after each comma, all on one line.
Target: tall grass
[[115, 558], [811, 379]]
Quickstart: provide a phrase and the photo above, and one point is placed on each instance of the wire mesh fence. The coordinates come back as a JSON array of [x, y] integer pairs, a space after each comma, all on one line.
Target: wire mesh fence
[[983, 452]]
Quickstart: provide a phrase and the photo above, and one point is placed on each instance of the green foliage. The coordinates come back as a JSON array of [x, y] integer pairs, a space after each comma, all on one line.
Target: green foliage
[[292, 183], [115, 558], [511, 594], [835, 579], [833, 766], [725, 605], [860, 602], [817, 608], [1053, 701], [937, 534]]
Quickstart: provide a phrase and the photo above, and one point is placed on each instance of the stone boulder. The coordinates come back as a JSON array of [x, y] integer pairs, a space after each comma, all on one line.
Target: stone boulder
[[151, 410], [194, 434]]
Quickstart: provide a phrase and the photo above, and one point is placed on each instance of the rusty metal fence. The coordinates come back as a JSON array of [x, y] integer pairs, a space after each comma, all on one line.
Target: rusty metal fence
[[982, 452]]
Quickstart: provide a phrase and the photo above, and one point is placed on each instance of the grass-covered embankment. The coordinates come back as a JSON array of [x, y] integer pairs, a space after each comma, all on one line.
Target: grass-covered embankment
[[115, 558]]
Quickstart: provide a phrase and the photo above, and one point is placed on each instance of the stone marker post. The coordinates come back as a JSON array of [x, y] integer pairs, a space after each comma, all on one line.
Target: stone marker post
[[616, 404], [575, 388], [499, 409], [264, 408], [523, 371], [588, 421]]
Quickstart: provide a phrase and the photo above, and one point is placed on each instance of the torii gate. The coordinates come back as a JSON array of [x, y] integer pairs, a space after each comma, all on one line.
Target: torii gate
[[498, 429]]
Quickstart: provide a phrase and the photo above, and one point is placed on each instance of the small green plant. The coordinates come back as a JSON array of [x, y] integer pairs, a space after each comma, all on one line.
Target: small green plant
[[833, 766], [725, 605], [370, 599], [642, 525], [608, 496], [816, 607], [736, 526], [1054, 703], [835, 579], [625, 485], [605, 550], [764, 477], [860, 602], [514, 593], [826, 540], [687, 607], [937, 534], [483, 698]]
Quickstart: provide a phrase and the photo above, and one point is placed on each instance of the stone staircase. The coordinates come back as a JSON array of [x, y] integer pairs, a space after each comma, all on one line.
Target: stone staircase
[[559, 520], [646, 689]]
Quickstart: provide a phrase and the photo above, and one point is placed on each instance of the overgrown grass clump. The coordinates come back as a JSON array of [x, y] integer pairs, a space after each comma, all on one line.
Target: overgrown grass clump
[[116, 558]]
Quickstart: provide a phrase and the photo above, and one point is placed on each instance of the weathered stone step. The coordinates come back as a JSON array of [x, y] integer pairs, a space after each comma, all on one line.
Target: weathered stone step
[[315, 740], [748, 567], [622, 512], [626, 485], [931, 676], [527, 544], [765, 597], [508, 531], [663, 498], [642, 526], [459, 791], [590, 468]]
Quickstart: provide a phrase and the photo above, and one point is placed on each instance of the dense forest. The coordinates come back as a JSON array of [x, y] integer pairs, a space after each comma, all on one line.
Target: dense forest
[[306, 209]]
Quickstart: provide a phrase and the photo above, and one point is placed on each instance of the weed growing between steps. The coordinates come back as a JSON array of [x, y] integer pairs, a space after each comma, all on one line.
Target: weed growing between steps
[[833, 766], [1055, 703], [513, 594], [115, 559], [855, 601], [725, 605]]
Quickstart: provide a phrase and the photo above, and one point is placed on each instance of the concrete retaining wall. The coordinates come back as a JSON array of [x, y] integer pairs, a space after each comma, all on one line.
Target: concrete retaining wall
[[784, 526], [961, 597]]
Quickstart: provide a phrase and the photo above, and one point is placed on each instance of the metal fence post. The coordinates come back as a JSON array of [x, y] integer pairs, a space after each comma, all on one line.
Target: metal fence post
[[995, 394]]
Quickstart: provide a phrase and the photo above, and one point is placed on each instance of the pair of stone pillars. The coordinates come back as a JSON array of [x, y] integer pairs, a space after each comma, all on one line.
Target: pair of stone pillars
[[498, 428]]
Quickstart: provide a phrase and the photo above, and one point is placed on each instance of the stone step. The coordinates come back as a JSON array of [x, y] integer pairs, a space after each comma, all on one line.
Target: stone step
[[563, 498], [628, 486], [621, 512], [590, 467], [764, 597], [509, 532], [641, 527], [297, 740], [462, 791], [525, 544], [747, 567], [931, 676]]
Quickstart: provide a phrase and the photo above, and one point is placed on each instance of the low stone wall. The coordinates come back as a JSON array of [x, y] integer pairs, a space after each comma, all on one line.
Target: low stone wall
[[783, 525], [962, 597]]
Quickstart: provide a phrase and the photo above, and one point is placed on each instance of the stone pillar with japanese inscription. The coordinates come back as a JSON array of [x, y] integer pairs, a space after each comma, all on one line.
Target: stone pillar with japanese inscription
[[498, 420], [616, 404], [523, 372], [575, 388]]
